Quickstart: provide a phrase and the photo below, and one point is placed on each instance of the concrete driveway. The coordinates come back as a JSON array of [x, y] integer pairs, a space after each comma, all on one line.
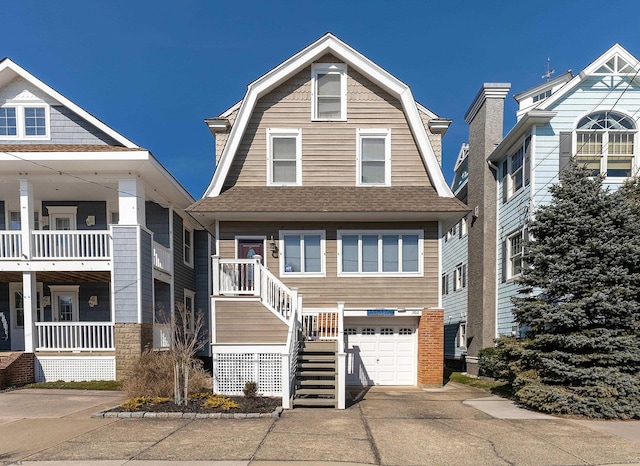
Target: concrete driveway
[[456, 425]]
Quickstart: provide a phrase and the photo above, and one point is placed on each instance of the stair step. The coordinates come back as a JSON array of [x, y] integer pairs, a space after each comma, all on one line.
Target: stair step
[[316, 373], [316, 391], [314, 402], [317, 357], [325, 382], [318, 345], [318, 365]]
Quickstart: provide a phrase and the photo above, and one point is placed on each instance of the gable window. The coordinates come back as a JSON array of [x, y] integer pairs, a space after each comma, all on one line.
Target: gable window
[[329, 91], [514, 254], [380, 253], [8, 122], [284, 157], [460, 277], [303, 253], [20, 121], [605, 143], [373, 157], [187, 246]]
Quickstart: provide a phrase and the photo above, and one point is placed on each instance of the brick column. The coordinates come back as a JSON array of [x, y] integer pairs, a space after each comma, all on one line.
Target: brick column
[[130, 341], [431, 348]]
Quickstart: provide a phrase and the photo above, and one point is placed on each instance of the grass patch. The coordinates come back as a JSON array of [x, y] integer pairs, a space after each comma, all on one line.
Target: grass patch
[[89, 385], [503, 389]]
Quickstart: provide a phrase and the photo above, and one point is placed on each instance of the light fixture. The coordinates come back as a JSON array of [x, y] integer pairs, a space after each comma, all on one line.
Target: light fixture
[[93, 301], [91, 220], [273, 247]]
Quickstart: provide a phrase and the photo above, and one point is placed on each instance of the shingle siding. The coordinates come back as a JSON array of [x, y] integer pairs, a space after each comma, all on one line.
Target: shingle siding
[[157, 220], [125, 273], [146, 276]]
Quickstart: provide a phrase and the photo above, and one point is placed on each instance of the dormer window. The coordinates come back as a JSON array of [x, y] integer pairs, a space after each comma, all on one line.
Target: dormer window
[[374, 157], [329, 91], [24, 121], [284, 157]]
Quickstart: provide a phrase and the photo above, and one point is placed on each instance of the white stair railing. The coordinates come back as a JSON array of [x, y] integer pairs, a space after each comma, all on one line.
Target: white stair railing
[[276, 296], [318, 325]]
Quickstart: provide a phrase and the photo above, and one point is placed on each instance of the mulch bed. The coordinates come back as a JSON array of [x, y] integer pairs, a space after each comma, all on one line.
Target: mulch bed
[[245, 405]]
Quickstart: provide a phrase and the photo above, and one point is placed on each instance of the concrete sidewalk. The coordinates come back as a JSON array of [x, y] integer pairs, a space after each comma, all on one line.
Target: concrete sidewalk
[[457, 425]]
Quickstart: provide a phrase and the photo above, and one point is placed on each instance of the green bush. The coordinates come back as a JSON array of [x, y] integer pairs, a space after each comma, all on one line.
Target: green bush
[[502, 361]]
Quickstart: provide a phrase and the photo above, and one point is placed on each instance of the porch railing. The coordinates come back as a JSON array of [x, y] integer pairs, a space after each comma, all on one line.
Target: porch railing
[[320, 325], [161, 336], [10, 245], [276, 296], [74, 336], [162, 259], [71, 244]]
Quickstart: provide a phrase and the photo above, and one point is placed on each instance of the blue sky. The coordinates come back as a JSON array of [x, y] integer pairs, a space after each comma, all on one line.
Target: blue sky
[[153, 70]]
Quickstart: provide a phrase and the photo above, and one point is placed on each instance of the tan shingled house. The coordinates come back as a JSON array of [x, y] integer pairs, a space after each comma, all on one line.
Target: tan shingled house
[[327, 203]]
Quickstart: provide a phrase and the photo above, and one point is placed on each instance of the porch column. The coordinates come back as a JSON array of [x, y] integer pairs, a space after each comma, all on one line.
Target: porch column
[[29, 296], [131, 202], [26, 217]]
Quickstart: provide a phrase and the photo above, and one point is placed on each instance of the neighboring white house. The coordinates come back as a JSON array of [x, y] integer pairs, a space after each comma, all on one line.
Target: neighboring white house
[[94, 239], [593, 117]]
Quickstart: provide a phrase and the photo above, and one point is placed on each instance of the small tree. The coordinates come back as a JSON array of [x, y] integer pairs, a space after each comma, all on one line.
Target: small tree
[[187, 338], [582, 309]]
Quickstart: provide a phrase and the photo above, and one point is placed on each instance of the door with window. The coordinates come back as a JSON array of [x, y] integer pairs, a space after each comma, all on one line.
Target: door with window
[[64, 303], [17, 311], [246, 249], [62, 218]]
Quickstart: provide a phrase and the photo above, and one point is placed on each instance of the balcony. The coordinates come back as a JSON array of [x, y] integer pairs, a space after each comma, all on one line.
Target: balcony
[[58, 245]]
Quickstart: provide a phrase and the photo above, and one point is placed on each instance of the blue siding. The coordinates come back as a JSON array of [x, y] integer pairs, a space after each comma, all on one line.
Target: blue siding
[[454, 252], [157, 220], [3, 225], [146, 276], [163, 304], [85, 208], [202, 261], [184, 276], [125, 272], [99, 313]]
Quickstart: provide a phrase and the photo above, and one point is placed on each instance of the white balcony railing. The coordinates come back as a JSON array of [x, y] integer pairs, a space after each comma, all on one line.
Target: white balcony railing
[[74, 336], [162, 259], [10, 245], [71, 244]]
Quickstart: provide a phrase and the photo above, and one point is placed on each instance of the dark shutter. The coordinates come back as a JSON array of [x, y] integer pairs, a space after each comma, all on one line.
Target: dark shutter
[[504, 261], [505, 173], [464, 276], [527, 160], [565, 151]]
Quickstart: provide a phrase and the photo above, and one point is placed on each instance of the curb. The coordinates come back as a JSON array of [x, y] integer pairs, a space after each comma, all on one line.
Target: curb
[[107, 413]]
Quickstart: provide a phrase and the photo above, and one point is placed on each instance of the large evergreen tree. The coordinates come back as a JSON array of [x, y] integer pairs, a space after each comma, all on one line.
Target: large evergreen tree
[[582, 305]]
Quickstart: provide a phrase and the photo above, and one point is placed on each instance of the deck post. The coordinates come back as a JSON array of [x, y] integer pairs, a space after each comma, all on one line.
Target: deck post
[[215, 274], [342, 359]]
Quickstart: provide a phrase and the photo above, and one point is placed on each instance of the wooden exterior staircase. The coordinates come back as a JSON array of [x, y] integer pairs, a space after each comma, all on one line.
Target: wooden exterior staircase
[[317, 374]]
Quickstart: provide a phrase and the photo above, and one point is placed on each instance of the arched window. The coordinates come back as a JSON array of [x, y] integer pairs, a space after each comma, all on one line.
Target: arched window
[[605, 143]]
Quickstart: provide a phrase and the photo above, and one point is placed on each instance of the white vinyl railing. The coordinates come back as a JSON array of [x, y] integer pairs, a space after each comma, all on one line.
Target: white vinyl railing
[[10, 244], [74, 336], [276, 296], [162, 259], [236, 277], [71, 244], [320, 325], [161, 336]]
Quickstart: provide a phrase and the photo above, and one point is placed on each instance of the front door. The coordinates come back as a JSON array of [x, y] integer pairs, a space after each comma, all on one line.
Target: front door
[[64, 303], [247, 248]]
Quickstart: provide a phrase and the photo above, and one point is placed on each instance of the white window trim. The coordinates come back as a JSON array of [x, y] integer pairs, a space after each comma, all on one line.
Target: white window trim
[[17, 286], [273, 133], [337, 68], [192, 295], [188, 261], [464, 227], [510, 274], [460, 277], [380, 233], [323, 255], [57, 290], [374, 133], [20, 123], [444, 284], [63, 211], [462, 335]]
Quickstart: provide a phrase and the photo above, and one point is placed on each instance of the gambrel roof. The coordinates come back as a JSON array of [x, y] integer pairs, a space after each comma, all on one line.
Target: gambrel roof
[[328, 44]]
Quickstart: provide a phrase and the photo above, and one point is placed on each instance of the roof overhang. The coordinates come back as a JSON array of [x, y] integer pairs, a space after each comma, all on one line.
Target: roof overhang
[[534, 117]]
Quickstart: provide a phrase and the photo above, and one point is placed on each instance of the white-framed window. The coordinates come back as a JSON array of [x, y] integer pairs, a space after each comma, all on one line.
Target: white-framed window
[[373, 156], [302, 253], [64, 303], [329, 91], [62, 218], [516, 166], [514, 254], [15, 220], [189, 308], [24, 121], [380, 253], [187, 244], [464, 227], [460, 277], [284, 156], [462, 335], [444, 284], [605, 144]]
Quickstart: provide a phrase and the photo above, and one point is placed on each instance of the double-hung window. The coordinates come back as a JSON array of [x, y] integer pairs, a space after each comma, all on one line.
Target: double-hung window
[[462, 335], [514, 254], [302, 253], [460, 277], [516, 172], [375, 253], [605, 143], [329, 91], [284, 157], [373, 157], [20, 121], [444, 284], [187, 246]]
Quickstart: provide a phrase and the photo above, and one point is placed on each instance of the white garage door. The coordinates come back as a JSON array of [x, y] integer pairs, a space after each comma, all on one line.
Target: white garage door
[[380, 354]]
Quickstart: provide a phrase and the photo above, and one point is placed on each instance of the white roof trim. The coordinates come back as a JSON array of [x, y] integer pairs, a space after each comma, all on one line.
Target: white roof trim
[[8, 64], [617, 49], [328, 44]]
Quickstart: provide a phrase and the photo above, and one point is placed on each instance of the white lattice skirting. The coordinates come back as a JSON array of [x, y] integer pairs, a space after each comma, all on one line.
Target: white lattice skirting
[[75, 369], [233, 370]]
